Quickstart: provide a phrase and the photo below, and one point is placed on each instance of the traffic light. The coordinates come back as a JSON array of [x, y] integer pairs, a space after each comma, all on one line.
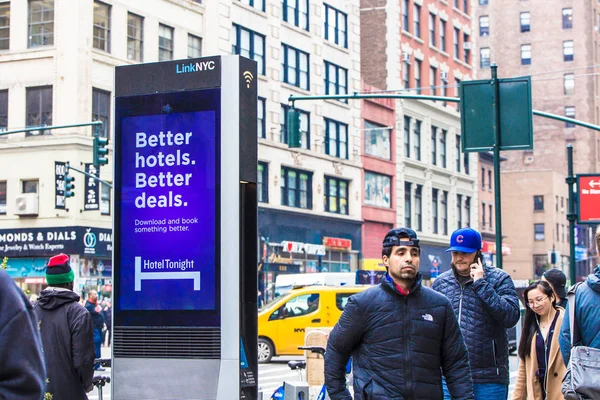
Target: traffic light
[[69, 185], [293, 123], [100, 151]]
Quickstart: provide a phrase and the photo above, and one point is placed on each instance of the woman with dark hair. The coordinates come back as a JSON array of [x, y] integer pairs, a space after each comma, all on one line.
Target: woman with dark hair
[[541, 366]]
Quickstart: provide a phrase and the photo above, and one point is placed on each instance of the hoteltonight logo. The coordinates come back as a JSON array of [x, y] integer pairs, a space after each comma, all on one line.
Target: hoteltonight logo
[[195, 67]]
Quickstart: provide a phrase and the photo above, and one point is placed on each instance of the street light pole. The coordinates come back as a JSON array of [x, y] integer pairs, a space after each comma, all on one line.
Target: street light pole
[[497, 180]]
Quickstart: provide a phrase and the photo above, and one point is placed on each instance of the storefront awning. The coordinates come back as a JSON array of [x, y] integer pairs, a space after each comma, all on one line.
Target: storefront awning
[[490, 247]]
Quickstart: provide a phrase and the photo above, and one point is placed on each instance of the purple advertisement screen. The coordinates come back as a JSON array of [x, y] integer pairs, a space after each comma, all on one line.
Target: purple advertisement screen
[[168, 212]]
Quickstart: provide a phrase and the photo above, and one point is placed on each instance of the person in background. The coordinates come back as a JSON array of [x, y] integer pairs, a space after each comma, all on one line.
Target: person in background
[[541, 365], [557, 280], [22, 370], [95, 311], [107, 314], [66, 330]]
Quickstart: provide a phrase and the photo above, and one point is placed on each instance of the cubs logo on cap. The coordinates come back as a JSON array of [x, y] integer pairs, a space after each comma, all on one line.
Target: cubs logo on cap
[[465, 240]]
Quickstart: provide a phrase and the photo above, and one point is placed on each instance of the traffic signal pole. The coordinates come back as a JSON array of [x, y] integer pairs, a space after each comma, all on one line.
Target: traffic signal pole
[[68, 166], [51, 127]]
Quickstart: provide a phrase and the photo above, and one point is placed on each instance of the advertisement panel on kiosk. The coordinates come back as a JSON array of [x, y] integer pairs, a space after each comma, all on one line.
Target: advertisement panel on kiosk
[[185, 275]]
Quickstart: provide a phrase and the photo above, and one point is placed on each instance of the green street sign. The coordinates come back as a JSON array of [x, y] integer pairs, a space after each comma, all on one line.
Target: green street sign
[[293, 123], [478, 115]]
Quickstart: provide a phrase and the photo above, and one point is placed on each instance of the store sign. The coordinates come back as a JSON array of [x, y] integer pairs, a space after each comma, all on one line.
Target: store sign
[[299, 247], [588, 189], [45, 242], [490, 247], [337, 243], [59, 185], [91, 199]]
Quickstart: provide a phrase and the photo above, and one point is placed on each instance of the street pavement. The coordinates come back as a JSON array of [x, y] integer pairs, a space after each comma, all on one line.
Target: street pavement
[[93, 395]]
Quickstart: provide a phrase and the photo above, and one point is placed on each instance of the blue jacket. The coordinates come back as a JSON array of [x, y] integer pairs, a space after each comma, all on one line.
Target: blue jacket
[[22, 372], [485, 310], [399, 345], [587, 315]]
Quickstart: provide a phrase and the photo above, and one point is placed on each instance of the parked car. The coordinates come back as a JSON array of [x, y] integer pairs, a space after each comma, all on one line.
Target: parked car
[[282, 322]]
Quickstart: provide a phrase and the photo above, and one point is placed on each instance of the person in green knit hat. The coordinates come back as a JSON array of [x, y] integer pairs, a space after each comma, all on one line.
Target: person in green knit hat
[[67, 334]]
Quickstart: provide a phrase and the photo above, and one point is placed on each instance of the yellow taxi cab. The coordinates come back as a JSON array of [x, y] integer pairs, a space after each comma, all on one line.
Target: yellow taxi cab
[[283, 321]]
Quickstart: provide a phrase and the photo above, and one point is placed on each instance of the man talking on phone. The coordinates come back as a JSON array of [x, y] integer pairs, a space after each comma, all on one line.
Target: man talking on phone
[[486, 305]]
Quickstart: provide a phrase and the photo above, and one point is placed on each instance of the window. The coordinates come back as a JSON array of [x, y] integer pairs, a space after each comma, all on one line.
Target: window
[[483, 2], [4, 26], [568, 50], [378, 190], [261, 117], [417, 72], [336, 195], [482, 214], [443, 148], [295, 67], [407, 204], [336, 26], [558, 232], [467, 48], [569, 81], [258, 4], [482, 178], [567, 18], [165, 43], [304, 126], [3, 110], [341, 299], [194, 46], [434, 209], [417, 20], [490, 180], [484, 57], [484, 25], [563, 232], [417, 140], [444, 212], [101, 36], [262, 184], [296, 188], [405, 25], [406, 74], [466, 6], [300, 305], [377, 140], [491, 215], [538, 203], [466, 162], [135, 37], [3, 197], [468, 210], [295, 12], [406, 137], [434, 145], [455, 40], [457, 85], [101, 110], [39, 108], [556, 203], [29, 186], [336, 79], [525, 21], [525, 54], [433, 80], [432, 29], [104, 199], [570, 113], [419, 208], [249, 44], [336, 138], [457, 153], [538, 232], [456, 2], [459, 210], [442, 35], [41, 23]]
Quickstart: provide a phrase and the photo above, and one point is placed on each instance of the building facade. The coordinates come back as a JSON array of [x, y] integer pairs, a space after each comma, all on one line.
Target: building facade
[[424, 47], [557, 45]]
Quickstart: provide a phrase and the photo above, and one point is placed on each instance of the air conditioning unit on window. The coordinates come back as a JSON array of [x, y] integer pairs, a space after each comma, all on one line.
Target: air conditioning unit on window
[[467, 45], [444, 76], [405, 57], [27, 204]]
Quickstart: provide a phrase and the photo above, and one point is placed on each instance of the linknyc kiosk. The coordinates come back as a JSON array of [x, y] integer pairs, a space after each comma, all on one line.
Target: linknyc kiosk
[[185, 230]]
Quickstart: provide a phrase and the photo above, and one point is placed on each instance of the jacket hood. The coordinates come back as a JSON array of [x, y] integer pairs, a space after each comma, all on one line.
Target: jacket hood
[[52, 298], [593, 279]]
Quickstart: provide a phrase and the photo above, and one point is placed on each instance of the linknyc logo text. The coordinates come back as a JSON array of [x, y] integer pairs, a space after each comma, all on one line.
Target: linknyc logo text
[[195, 67]]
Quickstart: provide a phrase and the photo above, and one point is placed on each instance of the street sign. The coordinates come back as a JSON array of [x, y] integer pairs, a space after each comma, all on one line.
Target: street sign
[[588, 192], [59, 184], [91, 199], [478, 115]]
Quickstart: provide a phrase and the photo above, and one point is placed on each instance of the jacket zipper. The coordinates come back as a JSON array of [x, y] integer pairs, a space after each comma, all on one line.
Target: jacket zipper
[[462, 290], [495, 362], [407, 366]]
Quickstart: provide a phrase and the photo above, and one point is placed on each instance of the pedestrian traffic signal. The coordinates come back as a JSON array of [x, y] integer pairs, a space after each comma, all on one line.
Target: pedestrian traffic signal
[[293, 123], [69, 185], [100, 151]]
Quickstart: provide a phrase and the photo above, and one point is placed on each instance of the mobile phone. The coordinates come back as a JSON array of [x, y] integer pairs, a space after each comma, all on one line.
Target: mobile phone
[[479, 257]]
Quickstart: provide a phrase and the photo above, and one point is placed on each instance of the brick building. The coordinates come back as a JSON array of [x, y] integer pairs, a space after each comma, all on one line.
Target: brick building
[[557, 45]]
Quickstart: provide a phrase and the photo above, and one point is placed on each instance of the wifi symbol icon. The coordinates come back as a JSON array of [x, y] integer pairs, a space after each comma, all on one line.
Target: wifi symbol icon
[[248, 77]]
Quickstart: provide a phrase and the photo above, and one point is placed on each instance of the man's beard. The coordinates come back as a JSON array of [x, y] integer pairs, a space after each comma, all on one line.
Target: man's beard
[[406, 275]]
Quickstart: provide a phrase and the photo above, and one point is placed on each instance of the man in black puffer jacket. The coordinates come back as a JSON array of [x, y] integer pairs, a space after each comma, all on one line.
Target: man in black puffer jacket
[[486, 304], [401, 336]]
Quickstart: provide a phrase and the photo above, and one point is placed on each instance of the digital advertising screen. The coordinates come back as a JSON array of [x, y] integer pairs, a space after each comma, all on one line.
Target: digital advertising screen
[[168, 204]]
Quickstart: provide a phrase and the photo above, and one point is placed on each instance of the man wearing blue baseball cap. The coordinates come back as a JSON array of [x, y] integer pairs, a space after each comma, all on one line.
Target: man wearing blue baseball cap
[[485, 302]]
